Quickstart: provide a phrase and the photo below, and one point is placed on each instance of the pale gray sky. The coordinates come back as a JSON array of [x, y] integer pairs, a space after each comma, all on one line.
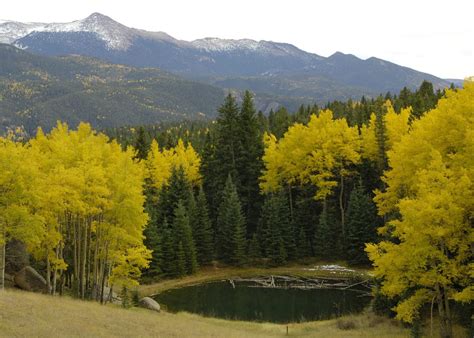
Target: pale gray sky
[[434, 36]]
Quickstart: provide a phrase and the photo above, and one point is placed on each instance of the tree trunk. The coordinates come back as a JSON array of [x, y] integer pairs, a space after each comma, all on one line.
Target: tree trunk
[[88, 257], [290, 195], [2, 262], [95, 267], [55, 271], [341, 207], [104, 267], [83, 262], [443, 310], [48, 272], [75, 258]]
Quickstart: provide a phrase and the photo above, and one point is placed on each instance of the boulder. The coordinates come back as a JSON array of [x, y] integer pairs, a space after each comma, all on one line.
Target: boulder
[[9, 281], [30, 280], [150, 304]]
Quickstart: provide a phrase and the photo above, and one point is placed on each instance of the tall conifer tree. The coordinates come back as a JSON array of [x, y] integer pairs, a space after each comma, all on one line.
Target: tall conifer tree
[[231, 227], [361, 225]]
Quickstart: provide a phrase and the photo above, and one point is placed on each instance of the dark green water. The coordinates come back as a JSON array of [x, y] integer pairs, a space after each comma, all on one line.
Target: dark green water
[[262, 304]]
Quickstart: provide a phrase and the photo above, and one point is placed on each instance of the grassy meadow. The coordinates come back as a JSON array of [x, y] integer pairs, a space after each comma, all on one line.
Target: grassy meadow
[[25, 314]]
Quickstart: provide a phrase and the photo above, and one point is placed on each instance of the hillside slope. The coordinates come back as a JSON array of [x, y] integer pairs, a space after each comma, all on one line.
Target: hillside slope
[[27, 314], [37, 91]]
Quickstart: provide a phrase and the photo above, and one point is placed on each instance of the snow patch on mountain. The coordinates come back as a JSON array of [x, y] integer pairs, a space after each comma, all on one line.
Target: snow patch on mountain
[[216, 45], [116, 35], [12, 30]]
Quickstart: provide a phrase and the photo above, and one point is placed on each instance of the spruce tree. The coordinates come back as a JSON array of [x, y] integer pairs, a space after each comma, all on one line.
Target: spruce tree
[[326, 235], [211, 176], [361, 225], [179, 260], [249, 162], [231, 227], [168, 262], [227, 142], [254, 251], [153, 234], [276, 234], [153, 242], [183, 238], [177, 190], [279, 122], [142, 144], [303, 247], [202, 230]]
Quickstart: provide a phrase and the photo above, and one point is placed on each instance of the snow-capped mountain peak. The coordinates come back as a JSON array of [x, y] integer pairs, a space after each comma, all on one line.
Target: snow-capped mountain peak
[[216, 45], [115, 35]]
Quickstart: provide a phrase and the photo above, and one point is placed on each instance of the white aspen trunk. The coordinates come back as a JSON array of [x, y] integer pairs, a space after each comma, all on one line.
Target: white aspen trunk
[[2, 263]]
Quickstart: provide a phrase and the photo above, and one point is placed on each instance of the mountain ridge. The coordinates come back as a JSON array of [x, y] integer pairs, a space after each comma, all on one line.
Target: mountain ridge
[[264, 67]]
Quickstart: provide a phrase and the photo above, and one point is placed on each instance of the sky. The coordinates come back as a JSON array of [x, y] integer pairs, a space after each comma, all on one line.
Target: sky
[[433, 36]]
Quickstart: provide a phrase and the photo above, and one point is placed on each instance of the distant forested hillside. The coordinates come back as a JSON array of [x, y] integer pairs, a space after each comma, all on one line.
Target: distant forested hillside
[[38, 91]]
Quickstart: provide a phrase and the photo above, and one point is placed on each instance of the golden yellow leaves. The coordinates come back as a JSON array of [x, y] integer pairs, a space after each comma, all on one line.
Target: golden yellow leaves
[[315, 154], [431, 186], [160, 163]]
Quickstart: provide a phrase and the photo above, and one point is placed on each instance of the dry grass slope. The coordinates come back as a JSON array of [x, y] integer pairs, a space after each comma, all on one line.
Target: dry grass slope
[[28, 314]]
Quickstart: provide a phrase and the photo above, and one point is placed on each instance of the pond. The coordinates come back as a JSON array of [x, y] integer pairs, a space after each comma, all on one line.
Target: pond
[[248, 302]]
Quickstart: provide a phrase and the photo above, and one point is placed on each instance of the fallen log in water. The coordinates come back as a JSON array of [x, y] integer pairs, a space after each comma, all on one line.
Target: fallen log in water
[[289, 282]]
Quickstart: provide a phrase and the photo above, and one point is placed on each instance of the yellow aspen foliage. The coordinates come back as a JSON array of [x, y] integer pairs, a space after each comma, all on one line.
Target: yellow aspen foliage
[[89, 194], [396, 124], [430, 186], [317, 154], [369, 147], [159, 166], [17, 200], [273, 173], [160, 163], [188, 159]]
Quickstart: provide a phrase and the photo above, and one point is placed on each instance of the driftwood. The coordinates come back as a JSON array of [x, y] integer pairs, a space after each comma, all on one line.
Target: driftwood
[[290, 282]]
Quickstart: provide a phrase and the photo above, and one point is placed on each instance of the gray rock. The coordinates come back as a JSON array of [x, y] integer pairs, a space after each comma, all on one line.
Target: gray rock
[[150, 304], [9, 281], [30, 280]]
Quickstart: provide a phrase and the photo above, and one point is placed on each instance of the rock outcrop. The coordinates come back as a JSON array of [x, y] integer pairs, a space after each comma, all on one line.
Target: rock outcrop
[[30, 280]]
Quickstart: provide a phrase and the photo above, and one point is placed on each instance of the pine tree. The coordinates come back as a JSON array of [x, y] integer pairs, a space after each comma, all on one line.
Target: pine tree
[[170, 195], [153, 242], [142, 144], [249, 162], [184, 239], [326, 235], [275, 229], [279, 122], [153, 231], [227, 142], [168, 262], [180, 260], [303, 247], [254, 251], [211, 177], [231, 227], [202, 230], [361, 225]]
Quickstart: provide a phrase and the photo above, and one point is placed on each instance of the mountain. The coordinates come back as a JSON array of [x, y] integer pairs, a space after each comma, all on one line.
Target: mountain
[[37, 91], [268, 67]]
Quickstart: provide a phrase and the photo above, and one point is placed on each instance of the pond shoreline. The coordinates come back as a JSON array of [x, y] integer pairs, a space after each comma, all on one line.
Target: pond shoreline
[[212, 274], [250, 300]]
